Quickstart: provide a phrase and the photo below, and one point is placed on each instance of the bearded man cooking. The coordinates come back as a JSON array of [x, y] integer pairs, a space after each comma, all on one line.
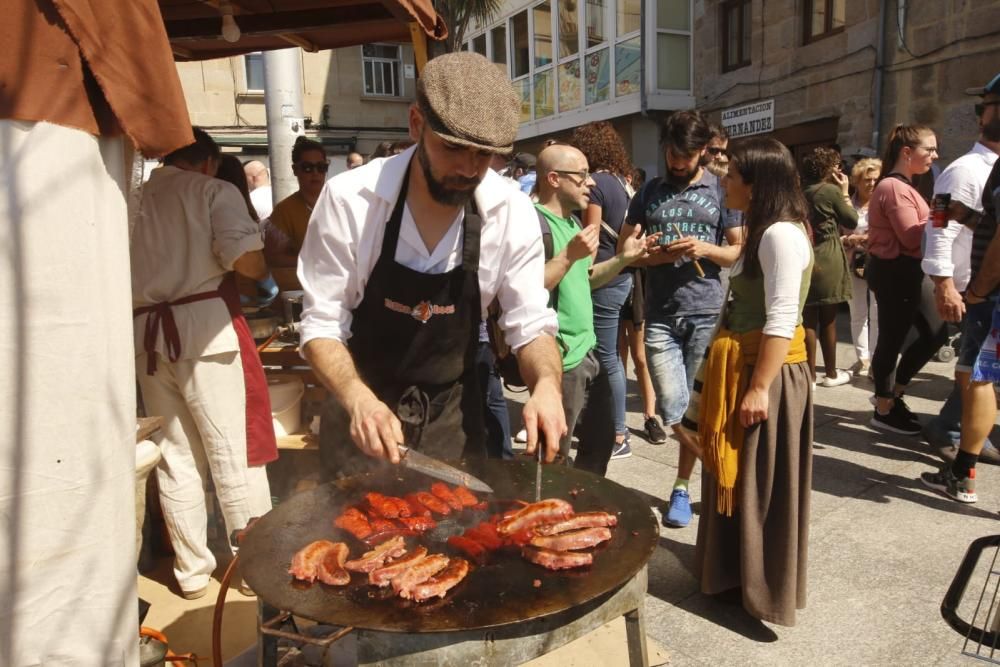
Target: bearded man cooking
[[400, 261]]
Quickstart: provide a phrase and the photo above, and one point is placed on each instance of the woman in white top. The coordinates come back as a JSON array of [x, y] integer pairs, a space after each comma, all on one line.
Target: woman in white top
[[864, 312]]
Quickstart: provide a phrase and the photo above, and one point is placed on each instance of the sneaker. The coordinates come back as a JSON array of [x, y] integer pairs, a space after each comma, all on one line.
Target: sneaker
[[905, 409], [842, 377], [944, 482], [521, 436], [861, 368], [897, 421], [195, 594], [679, 513], [622, 450], [654, 432]]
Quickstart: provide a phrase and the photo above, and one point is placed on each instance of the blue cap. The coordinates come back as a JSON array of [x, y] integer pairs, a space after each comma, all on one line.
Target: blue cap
[[993, 87]]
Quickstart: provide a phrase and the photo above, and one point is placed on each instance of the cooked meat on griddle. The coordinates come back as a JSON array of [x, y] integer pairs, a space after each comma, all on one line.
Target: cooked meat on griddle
[[418, 573], [574, 540], [441, 583], [374, 559], [380, 525], [387, 507], [331, 570], [418, 523], [465, 496], [431, 502], [355, 522], [384, 575], [486, 534], [545, 511], [417, 508], [557, 560], [577, 521], [469, 547], [441, 490], [307, 560]]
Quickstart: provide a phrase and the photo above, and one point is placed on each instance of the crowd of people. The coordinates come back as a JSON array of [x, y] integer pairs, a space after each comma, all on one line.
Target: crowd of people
[[722, 279]]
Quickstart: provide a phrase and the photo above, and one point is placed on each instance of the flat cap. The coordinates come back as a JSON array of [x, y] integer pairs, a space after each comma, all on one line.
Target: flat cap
[[991, 88], [468, 100]]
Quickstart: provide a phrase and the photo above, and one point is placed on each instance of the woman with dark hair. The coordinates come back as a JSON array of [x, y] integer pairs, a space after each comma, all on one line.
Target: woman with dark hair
[[753, 415], [830, 209], [897, 214], [291, 215], [231, 171], [609, 200]]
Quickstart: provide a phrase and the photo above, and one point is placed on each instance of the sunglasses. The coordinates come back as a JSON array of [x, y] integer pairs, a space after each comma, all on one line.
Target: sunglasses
[[715, 150], [981, 107], [310, 167], [583, 174]]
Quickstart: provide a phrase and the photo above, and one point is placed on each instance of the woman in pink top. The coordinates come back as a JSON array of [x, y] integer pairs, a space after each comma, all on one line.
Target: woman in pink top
[[897, 214]]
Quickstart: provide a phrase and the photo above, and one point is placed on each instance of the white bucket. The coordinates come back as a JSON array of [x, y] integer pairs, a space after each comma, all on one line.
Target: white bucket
[[286, 403]]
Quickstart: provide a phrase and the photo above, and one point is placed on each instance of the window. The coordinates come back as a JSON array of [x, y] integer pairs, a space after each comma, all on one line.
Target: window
[[254, 70], [569, 27], [542, 16], [823, 18], [628, 15], [499, 37], [382, 68], [735, 34], [596, 34], [673, 43], [519, 44], [479, 44]]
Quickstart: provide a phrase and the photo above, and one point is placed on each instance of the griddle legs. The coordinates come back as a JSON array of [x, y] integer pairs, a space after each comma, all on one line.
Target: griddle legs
[[635, 633]]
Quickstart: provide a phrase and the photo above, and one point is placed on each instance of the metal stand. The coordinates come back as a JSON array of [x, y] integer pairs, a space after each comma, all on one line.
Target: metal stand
[[508, 645]]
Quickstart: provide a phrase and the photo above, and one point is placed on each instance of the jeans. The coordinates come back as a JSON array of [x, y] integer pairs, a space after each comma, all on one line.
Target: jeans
[[587, 395], [675, 347], [608, 302], [494, 405]]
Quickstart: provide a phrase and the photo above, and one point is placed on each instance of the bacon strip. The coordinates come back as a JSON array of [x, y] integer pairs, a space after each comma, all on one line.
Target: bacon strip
[[374, 559], [441, 490], [577, 521], [431, 502], [442, 582], [331, 569], [418, 573], [307, 560], [574, 540], [545, 511], [557, 560], [383, 576], [354, 522], [465, 496]]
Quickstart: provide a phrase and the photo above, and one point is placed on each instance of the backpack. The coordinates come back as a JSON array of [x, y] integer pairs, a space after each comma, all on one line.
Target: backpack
[[506, 360]]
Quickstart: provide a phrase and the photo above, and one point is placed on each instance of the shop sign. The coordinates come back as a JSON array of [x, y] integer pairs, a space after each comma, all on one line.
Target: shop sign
[[748, 119]]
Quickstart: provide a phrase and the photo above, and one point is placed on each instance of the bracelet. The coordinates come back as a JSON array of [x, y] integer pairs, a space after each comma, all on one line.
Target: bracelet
[[970, 292]]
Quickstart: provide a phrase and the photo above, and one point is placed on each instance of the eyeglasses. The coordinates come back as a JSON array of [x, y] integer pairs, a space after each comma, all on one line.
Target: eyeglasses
[[928, 149], [310, 167], [583, 174], [981, 107], [715, 150]]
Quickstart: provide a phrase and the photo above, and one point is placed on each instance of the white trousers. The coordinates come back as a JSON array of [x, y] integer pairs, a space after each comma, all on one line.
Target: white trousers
[[864, 318], [67, 401], [203, 403]]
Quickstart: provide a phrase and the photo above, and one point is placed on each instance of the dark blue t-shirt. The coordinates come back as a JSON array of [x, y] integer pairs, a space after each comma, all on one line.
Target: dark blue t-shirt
[[609, 193], [698, 210]]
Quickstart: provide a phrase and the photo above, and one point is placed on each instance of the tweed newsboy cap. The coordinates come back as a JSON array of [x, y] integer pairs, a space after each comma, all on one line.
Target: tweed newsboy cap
[[469, 101]]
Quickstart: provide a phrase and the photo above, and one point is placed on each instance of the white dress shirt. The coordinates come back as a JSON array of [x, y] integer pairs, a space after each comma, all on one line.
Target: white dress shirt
[[344, 240], [947, 249], [190, 230]]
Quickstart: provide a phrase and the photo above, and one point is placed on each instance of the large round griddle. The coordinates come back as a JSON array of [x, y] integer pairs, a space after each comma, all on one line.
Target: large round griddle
[[498, 593]]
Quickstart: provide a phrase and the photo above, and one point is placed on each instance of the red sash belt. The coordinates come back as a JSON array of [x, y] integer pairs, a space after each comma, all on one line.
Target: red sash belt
[[162, 318]]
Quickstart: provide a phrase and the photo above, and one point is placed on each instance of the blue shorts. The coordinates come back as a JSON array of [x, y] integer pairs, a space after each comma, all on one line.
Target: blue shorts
[[675, 348], [975, 329]]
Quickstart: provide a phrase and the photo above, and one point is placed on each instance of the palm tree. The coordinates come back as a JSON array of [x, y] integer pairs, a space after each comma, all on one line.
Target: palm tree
[[458, 14]]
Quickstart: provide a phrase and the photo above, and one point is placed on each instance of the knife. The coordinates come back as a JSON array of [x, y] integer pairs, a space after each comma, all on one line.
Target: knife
[[431, 467], [538, 475]]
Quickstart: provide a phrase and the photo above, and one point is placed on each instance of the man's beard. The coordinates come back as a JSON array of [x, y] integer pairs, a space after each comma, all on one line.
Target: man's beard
[[441, 191], [718, 168], [681, 179], [991, 131]]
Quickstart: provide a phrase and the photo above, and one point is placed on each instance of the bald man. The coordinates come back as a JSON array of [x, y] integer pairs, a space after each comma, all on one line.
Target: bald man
[[563, 187], [354, 160], [259, 183]]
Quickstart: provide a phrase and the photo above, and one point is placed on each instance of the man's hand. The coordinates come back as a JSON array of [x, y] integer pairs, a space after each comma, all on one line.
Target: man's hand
[[375, 429], [696, 248], [584, 244], [841, 180], [949, 302], [669, 253], [852, 241], [544, 415], [634, 248]]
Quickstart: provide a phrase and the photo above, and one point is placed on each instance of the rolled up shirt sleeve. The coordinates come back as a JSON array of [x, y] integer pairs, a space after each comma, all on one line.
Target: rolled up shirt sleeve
[[524, 301], [938, 242], [785, 251], [234, 232], [328, 271]]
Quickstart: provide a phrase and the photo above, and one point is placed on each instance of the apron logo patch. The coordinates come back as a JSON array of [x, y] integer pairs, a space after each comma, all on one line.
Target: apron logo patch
[[421, 312]]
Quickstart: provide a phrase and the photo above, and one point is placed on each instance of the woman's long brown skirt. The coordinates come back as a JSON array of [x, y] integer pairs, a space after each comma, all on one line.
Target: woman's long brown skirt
[[763, 547]]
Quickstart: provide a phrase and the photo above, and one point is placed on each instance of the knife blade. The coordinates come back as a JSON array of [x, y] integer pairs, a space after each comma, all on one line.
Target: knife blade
[[538, 475], [431, 467]]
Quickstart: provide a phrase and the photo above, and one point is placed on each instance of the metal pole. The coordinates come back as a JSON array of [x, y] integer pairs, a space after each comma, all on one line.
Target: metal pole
[[879, 78], [283, 104]]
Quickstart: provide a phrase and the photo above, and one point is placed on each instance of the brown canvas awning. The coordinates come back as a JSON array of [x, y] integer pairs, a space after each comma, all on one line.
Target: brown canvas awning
[[195, 26]]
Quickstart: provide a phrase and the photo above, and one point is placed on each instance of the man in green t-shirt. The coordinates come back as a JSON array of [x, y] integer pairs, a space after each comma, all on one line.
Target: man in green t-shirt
[[563, 186]]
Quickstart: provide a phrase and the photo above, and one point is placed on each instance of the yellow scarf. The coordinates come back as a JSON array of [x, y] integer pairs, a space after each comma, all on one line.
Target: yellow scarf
[[724, 383]]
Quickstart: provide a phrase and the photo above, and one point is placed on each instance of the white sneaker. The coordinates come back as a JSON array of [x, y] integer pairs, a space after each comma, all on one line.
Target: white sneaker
[[842, 377], [521, 436]]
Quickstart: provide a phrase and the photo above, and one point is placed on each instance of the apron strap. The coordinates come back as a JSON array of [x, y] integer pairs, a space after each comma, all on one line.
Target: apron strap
[[470, 241], [391, 235]]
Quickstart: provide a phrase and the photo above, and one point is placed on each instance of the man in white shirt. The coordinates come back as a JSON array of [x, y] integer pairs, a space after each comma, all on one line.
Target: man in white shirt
[[400, 261], [259, 182], [947, 252], [195, 358]]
